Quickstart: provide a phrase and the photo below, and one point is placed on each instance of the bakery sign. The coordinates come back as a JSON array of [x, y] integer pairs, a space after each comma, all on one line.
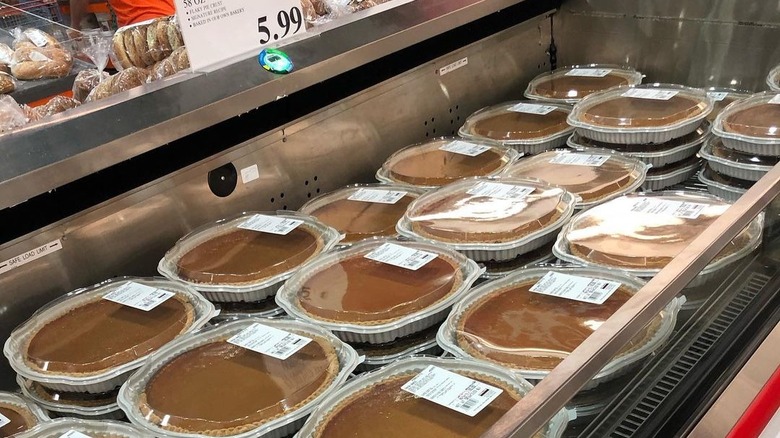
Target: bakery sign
[[216, 31]]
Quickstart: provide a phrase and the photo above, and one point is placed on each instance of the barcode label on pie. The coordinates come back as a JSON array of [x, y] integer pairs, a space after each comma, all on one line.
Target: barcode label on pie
[[271, 224], [649, 93], [138, 296], [451, 390], [717, 96], [378, 196], [580, 159], [4, 420], [775, 100], [500, 190], [573, 287], [465, 148], [74, 434], [589, 72], [401, 256], [685, 210], [270, 341], [532, 108]]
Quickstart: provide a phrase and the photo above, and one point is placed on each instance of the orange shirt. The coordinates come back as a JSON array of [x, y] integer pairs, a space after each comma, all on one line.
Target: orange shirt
[[134, 11]]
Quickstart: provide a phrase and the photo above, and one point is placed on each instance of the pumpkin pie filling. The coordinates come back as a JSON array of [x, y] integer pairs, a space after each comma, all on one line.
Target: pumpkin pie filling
[[642, 113], [521, 329], [428, 165], [577, 87], [363, 291], [360, 220], [243, 256], [512, 125], [689, 139], [82, 399], [221, 389], [100, 335], [20, 419], [385, 410], [756, 121], [719, 150]]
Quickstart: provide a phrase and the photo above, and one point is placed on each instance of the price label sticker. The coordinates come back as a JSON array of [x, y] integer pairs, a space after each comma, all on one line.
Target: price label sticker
[[451, 390], [465, 148], [216, 31], [589, 72], [532, 108], [686, 210], [271, 224], [4, 420], [573, 287], [775, 100], [138, 296], [717, 96], [649, 93], [401, 256], [580, 160], [249, 174], [378, 196], [500, 190], [269, 341], [74, 434]]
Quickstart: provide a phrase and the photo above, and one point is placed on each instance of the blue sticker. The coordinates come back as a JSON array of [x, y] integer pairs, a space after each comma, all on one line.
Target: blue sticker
[[275, 61]]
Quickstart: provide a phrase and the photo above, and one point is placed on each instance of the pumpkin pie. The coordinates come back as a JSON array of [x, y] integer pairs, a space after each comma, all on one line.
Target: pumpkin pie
[[691, 140], [221, 389], [429, 165], [43, 395], [361, 219], [98, 335], [720, 151], [520, 329], [91, 428], [20, 417], [754, 120], [590, 175], [523, 121], [728, 180], [723, 97], [383, 409], [571, 84], [620, 111], [659, 172]]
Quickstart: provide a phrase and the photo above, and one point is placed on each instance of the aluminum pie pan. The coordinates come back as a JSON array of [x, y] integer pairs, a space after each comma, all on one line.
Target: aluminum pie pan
[[639, 135], [632, 76], [724, 191], [655, 159], [748, 172], [665, 180]]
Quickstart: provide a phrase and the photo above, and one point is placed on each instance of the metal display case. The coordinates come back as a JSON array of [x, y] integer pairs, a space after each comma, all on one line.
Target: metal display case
[[107, 190]]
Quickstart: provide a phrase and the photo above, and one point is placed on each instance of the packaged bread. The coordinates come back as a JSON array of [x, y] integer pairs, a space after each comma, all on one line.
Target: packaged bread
[[56, 105], [7, 83], [176, 62], [86, 81], [146, 43], [41, 63], [32, 37], [124, 80], [11, 114], [6, 54]]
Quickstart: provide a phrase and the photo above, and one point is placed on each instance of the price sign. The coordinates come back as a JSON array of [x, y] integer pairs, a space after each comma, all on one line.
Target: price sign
[[216, 31]]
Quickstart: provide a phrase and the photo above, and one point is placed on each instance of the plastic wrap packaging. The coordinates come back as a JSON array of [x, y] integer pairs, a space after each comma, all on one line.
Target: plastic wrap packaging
[[12, 116], [641, 233], [32, 37], [126, 79], [527, 126], [176, 62], [736, 164], [724, 97], [571, 84], [595, 175], [96, 45], [30, 63], [656, 155], [231, 311], [6, 55], [143, 44], [73, 404], [751, 125], [723, 186], [65, 427], [659, 178], [55, 105], [445, 160], [363, 211], [644, 114], [83, 342], [498, 322], [23, 414], [379, 290], [375, 404], [379, 355], [490, 219], [7, 83], [86, 81], [212, 384], [773, 79], [247, 257], [541, 255]]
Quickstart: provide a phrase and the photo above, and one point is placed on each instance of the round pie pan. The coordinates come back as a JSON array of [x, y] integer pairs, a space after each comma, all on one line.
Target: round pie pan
[[448, 332], [639, 135], [553, 429], [724, 191], [282, 426], [57, 428], [632, 76], [668, 179], [387, 331], [756, 145], [108, 379], [108, 411], [250, 291], [24, 403], [734, 169], [671, 152]]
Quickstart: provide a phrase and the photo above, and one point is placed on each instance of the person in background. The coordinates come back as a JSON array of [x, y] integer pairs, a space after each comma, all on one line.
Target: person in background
[[127, 11]]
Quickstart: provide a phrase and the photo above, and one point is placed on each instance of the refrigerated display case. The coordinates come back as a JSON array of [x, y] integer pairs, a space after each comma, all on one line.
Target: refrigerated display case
[[106, 191]]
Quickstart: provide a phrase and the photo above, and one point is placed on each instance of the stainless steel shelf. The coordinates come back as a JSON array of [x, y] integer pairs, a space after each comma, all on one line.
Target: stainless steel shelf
[[46, 156]]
